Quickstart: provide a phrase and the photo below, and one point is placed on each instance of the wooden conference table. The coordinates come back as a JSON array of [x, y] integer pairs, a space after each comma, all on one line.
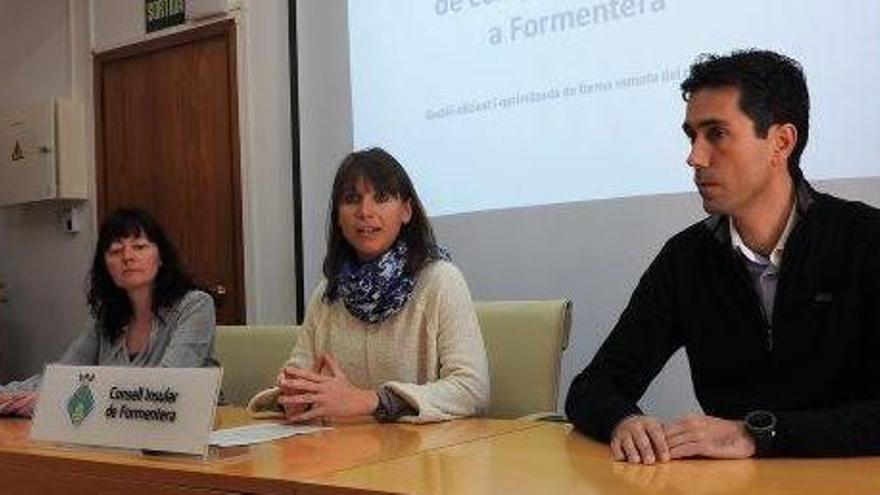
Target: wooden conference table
[[473, 456]]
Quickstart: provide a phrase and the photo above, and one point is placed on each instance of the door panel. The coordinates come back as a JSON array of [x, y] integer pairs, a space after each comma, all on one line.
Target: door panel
[[168, 142]]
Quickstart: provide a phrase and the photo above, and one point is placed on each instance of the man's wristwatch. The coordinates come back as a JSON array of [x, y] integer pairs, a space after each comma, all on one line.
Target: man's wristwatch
[[761, 425]]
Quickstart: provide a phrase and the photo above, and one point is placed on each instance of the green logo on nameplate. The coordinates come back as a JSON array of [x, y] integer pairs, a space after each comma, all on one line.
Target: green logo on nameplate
[[80, 404], [161, 14]]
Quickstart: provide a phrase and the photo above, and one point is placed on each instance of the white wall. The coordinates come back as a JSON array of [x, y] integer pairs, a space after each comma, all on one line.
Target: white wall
[[267, 180], [324, 118], [44, 55]]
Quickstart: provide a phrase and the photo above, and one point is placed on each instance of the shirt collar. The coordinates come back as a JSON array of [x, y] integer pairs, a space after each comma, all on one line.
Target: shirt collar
[[775, 255]]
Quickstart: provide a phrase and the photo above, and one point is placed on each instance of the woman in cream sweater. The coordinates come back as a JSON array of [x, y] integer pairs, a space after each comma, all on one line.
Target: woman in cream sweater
[[391, 331]]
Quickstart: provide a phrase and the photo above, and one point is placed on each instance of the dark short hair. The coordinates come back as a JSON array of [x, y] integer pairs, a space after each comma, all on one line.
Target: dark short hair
[[387, 176], [773, 90], [108, 303]]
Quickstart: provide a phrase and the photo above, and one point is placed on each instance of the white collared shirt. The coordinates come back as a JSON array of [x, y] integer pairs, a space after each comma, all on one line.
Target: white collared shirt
[[764, 270]]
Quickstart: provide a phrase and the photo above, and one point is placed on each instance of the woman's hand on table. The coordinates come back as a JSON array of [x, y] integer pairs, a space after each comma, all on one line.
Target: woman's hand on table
[[327, 392]]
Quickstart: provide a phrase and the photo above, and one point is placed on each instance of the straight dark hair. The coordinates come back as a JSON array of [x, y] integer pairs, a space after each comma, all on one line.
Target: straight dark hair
[[773, 90], [109, 304], [387, 176]]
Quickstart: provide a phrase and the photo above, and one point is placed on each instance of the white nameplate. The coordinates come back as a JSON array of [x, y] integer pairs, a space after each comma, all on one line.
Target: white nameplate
[[165, 409]]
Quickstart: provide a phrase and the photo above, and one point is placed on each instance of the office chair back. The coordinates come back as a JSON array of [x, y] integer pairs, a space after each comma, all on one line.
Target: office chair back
[[524, 342], [251, 356]]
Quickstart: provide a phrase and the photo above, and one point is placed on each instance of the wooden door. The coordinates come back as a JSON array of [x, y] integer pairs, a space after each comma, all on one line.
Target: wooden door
[[167, 141]]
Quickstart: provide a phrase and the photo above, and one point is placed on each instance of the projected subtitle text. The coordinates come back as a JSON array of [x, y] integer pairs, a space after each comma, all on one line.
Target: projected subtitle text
[[551, 94]]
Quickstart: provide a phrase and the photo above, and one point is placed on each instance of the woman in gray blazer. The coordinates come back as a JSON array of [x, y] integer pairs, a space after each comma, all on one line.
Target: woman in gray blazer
[[146, 310]]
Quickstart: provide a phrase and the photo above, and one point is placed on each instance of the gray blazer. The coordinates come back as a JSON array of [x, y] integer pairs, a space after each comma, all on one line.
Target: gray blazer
[[182, 337]]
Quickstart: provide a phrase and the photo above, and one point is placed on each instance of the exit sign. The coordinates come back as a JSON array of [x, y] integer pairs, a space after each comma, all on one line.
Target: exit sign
[[161, 14]]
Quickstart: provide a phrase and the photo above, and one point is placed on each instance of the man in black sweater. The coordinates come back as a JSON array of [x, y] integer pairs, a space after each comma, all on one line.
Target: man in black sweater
[[775, 296]]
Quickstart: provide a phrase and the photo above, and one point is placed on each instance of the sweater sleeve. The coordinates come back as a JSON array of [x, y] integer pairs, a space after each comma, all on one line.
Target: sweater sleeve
[[462, 388], [607, 390], [83, 350], [847, 430], [192, 338]]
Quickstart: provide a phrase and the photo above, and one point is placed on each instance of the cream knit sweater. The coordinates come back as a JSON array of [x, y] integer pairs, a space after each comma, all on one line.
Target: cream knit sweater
[[431, 353]]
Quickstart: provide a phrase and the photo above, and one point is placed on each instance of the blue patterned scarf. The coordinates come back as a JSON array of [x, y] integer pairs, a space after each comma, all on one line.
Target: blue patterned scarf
[[378, 289]]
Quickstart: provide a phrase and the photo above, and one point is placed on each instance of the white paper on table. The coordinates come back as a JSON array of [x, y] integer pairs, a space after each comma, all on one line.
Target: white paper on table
[[257, 433]]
